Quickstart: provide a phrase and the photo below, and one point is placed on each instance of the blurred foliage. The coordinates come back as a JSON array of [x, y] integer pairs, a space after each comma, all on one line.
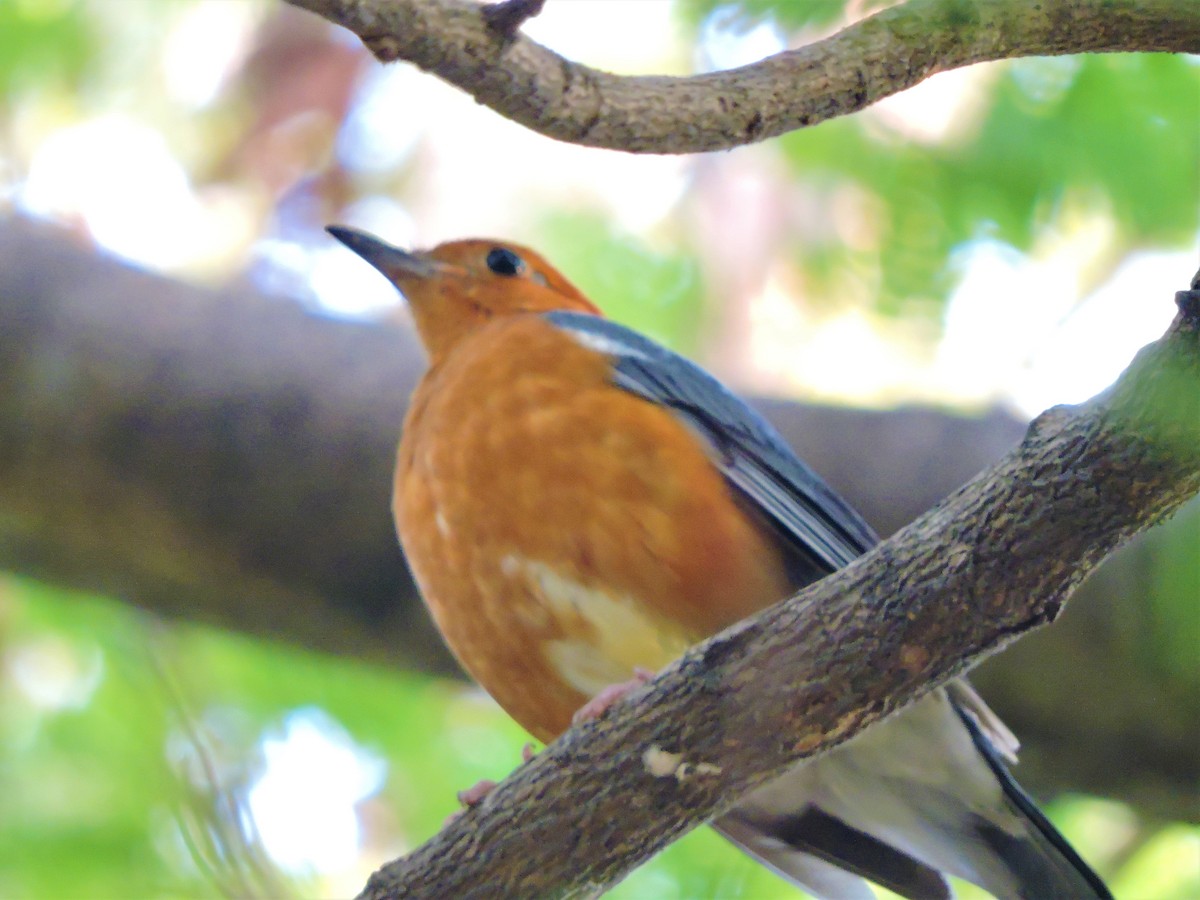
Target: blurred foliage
[[656, 293], [1054, 137], [1064, 136], [790, 14], [43, 45], [1175, 631], [103, 712], [122, 740], [83, 776]]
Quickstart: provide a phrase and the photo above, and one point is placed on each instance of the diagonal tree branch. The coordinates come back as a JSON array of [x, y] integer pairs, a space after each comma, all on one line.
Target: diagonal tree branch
[[157, 438], [865, 62], [996, 559]]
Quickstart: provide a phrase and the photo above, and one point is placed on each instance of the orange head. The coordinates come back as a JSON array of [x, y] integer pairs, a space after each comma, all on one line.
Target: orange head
[[459, 286]]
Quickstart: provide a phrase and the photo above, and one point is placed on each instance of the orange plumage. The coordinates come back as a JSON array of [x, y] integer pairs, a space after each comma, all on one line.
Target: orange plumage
[[577, 503], [522, 471], [558, 479]]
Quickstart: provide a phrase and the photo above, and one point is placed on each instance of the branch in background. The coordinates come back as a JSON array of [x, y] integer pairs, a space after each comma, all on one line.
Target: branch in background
[[225, 458], [219, 457], [865, 62], [995, 560]]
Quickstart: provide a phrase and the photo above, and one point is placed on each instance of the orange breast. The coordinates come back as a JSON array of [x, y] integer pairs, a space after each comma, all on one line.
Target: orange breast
[[563, 531]]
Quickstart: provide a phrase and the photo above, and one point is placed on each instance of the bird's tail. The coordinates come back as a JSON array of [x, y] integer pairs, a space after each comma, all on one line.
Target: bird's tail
[[1042, 856], [918, 797]]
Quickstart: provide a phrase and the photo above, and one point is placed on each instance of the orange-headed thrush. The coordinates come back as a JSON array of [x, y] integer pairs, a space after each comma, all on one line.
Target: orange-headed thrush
[[577, 503]]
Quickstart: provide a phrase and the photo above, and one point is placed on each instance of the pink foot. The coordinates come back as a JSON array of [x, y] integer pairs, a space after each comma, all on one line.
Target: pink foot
[[474, 795], [598, 705]]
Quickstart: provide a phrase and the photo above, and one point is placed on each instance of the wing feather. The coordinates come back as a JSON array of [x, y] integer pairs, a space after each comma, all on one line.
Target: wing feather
[[816, 523], [824, 533]]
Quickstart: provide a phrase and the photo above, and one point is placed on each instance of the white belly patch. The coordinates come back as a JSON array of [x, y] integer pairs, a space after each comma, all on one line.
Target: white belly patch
[[609, 634]]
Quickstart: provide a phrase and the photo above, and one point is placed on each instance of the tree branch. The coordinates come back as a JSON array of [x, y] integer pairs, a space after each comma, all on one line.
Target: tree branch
[[220, 457], [156, 440], [996, 559], [865, 62]]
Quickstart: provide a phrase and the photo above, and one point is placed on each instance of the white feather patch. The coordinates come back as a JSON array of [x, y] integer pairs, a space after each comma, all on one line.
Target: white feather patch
[[602, 343], [614, 635]]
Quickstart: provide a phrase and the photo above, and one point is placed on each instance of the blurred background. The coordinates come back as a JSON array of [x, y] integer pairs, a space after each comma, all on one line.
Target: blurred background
[[998, 240]]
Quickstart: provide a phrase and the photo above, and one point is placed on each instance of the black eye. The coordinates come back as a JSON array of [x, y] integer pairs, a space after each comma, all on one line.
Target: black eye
[[503, 261]]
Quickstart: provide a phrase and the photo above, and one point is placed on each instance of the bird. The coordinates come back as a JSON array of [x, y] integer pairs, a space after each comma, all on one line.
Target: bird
[[579, 504]]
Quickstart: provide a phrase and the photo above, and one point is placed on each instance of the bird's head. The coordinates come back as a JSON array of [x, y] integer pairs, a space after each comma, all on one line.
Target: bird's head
[[459, 286]]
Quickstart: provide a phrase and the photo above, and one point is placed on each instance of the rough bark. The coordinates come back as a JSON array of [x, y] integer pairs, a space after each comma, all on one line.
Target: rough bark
[[997, 558], [871, 59]]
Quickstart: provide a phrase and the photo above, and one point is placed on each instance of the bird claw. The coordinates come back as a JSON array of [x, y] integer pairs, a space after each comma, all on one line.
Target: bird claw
[[474, 795], [598, 705]]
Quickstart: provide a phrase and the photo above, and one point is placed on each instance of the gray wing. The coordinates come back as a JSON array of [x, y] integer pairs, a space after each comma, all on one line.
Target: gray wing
[[900, 830], [819, 527]]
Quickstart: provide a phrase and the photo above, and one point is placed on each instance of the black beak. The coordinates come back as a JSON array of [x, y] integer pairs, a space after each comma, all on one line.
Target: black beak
[[396, 264]]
